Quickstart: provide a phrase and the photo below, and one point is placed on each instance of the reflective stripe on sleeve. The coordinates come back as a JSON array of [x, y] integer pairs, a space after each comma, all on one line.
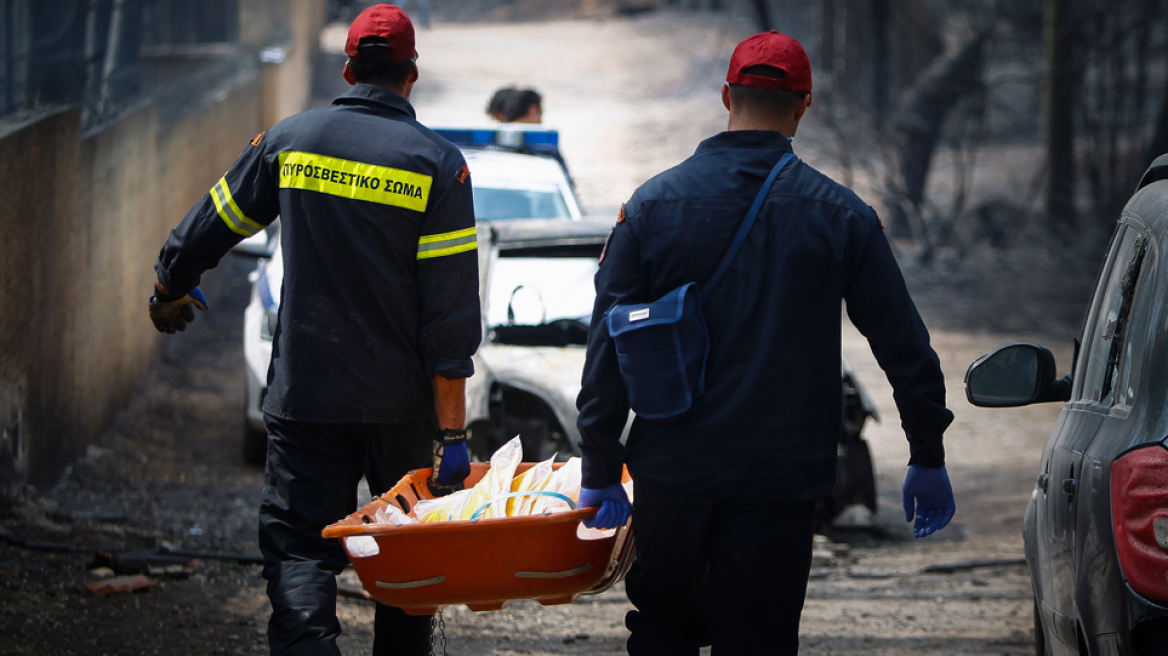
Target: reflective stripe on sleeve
[[234, 217], [447, 243], [356, 180]]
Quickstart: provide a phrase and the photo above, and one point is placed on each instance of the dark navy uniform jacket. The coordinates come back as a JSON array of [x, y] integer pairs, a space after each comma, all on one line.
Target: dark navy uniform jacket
[[380, 270], [768, 424]]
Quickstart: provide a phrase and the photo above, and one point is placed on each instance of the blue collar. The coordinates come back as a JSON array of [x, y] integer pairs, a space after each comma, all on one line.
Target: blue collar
[[752, 139], [368, 94]]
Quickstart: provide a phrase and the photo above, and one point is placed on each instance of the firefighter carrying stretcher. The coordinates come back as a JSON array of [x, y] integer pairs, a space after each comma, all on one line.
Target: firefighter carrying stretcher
[[379, 318]]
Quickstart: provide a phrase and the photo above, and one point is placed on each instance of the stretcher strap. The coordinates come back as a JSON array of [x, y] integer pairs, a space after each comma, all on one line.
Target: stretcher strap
[[540, 493]]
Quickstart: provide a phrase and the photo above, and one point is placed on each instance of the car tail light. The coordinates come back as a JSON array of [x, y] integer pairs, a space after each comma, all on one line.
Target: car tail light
[[1139, 515]]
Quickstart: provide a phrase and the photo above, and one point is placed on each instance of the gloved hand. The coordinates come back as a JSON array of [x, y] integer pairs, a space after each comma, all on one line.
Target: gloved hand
[[614, 506], [451, 462], [171, 315], [928, 489]]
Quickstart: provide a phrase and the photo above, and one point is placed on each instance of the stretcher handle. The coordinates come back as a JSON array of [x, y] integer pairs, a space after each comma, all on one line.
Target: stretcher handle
[[510, 495]]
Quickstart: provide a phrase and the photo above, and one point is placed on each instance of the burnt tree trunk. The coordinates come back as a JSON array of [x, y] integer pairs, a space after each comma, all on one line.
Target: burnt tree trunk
[[827, 28], [922, 114], [1059, 110], [880, 75], [1159, 144], [762, 9]]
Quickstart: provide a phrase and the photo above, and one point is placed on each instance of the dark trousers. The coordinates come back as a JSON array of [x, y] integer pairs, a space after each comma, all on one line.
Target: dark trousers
[[310, 482], [728, 574]]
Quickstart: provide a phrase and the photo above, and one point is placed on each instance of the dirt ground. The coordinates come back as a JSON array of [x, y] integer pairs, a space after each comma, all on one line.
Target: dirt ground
[[631, 96]]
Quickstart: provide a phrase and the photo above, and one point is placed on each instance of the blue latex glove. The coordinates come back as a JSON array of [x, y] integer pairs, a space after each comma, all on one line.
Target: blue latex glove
[[614, 506], [451, 466], [173, 315], [928, 490]]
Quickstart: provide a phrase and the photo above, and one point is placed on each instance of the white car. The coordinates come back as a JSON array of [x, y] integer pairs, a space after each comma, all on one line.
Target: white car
[[509, 183]]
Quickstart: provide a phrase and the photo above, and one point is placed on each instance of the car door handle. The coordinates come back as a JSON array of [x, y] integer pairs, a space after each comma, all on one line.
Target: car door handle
[[1043, 479], [1069, 485]]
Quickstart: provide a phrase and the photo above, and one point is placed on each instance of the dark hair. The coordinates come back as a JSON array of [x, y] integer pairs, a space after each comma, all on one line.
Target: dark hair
[[498, 100], [776, 101], [513, 103], [374, 65]]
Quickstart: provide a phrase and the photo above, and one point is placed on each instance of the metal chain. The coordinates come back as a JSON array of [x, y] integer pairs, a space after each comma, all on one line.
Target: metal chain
[[437, 625], [433, 625]]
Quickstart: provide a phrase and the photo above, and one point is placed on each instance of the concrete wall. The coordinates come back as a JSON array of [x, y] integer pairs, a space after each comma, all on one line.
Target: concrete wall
[[82, 221], [42, 241], [287, 87]]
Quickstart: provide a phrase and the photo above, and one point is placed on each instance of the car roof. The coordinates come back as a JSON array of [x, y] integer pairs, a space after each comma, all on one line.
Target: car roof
[[535, 233], [1157, 171], [1150, 202], [511, 170]]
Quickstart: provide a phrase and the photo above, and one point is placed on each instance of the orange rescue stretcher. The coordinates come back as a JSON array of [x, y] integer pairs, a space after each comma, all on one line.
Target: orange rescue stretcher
[[484, 563]]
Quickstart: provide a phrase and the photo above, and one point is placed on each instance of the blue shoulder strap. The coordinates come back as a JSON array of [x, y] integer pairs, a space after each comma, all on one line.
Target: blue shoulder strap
[[746, 225]]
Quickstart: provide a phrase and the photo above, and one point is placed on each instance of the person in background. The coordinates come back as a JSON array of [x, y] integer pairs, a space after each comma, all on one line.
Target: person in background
[[512, 105]]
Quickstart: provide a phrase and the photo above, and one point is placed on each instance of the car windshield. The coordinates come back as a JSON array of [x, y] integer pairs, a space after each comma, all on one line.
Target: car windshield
[[497, 203], [541, 301]]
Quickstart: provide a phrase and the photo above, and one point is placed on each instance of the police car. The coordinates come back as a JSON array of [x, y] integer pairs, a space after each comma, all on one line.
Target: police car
[[517, 173]]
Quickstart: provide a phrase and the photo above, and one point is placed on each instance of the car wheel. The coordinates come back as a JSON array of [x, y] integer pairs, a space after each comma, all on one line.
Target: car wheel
[[533, 434], [855, 484], [478, 441], [862, 473], [255, 444], [1039, 634]]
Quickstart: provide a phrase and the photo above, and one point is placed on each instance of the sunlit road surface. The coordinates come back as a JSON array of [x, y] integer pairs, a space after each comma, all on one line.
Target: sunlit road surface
[[633, 97]]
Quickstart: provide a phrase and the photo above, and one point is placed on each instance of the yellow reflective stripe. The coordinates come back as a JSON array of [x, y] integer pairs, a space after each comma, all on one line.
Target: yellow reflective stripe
[[447, 243], [355, 180], [234, 217], [446, 236], [447, 251]]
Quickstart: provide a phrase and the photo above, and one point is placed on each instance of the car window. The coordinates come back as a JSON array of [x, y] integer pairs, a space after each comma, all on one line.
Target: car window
[[1105, 342], [1136, 331], [493, 204]]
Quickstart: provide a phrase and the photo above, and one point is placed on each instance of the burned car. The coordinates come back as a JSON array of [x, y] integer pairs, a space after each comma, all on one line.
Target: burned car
[[537, 296], [1096, 526]]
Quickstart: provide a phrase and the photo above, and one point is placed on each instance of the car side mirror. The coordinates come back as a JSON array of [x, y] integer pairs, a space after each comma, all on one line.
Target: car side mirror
[[1014, 375]]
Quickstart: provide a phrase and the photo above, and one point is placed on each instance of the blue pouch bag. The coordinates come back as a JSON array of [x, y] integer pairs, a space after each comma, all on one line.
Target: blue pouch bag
[[661, 346]]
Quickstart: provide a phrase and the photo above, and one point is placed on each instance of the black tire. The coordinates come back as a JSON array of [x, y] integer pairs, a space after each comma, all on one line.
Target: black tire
[[855, 481], [478, 441], [255, 444], [863, 473], [533, 434]]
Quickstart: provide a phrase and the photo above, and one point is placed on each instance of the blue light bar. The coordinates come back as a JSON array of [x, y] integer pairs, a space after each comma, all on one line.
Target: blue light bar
[[543, 138], [513, 138]]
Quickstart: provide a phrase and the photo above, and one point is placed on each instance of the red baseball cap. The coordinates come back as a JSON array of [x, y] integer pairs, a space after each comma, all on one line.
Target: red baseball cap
[[388, 22], [771, 49]]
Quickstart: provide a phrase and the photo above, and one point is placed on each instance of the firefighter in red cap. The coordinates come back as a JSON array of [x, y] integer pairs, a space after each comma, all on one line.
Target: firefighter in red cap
[[725, 489], [378, 320]]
